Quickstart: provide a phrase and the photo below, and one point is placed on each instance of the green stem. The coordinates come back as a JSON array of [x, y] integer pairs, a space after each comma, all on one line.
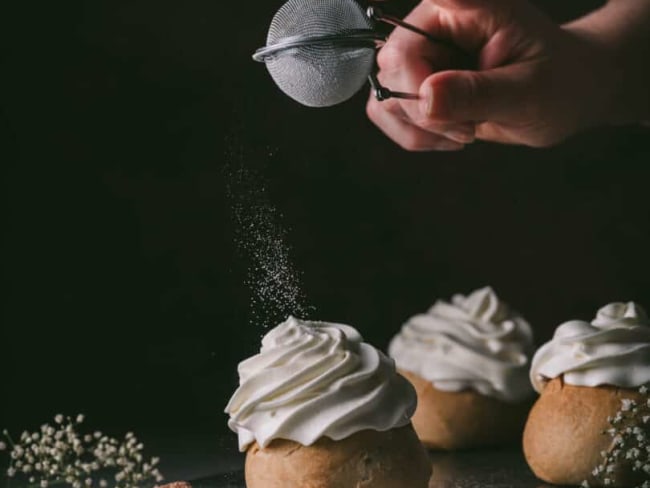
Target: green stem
[[9, 438]]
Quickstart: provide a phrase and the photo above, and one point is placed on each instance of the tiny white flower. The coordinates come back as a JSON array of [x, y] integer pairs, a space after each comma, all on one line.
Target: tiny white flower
[[103, 483], [11, 472], [80, 418], [607, 481], [3, 446], [89, 482], [584, 484], [97, 434], [643, 390], [627, 404], [44, 483], [76, 484], [58, 418]]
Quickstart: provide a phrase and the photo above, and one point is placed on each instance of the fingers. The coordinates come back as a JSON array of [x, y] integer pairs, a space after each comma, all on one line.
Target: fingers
[[395, 123], [406, 64], [463, 96]]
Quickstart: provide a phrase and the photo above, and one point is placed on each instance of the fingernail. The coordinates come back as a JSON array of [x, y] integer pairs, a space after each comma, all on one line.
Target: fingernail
[[426, 104], [464, 137]]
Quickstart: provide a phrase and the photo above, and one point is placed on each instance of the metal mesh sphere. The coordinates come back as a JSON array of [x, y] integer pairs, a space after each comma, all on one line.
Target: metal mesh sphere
[[322, 74]]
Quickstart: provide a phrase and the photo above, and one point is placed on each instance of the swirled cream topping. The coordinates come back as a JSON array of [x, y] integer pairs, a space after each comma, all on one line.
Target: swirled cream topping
[[313, 380], [613, 349], [475, 342]]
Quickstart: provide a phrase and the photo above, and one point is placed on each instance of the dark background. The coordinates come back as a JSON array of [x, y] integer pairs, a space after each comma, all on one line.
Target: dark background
[[124, 294]]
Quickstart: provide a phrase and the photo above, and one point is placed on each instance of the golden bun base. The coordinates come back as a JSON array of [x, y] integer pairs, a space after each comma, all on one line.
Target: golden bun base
[[458, 420], [563, 438], [367, 459]]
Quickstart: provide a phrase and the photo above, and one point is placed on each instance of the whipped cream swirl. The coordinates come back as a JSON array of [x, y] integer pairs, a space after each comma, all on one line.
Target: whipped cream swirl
[[313, 380], [475, 342], [613, 349]]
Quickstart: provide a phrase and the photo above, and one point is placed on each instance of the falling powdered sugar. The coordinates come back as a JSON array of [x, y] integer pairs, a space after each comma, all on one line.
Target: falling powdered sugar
[[261, 239]]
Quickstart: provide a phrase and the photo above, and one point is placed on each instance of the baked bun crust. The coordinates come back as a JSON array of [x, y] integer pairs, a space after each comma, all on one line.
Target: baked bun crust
[[458, 420], [367, 459], [563, 438]]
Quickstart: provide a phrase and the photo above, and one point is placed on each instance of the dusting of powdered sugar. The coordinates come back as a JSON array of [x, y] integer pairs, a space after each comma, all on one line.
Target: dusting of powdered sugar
[[261, 238]]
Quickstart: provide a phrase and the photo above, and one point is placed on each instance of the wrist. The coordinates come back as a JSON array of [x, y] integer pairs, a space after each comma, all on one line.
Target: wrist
[[592, 77], [619, 36]]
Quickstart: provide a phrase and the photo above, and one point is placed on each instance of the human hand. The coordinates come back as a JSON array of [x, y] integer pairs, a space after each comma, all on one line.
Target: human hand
[[535, 83]]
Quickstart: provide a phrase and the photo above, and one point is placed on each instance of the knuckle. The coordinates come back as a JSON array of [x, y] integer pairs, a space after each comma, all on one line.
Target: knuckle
[[473, 89], [391, 56]]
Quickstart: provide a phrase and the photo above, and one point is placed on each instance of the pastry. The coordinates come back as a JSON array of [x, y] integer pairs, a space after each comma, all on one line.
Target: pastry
[[468, 361], [589, 424], [320, 408]]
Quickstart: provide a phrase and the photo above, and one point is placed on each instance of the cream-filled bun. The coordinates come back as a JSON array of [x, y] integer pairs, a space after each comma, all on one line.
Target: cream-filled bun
[[319, 407], [469, 362], [588, 376]]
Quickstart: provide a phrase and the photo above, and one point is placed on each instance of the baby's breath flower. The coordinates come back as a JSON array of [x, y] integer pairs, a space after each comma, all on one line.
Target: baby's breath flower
[[627, 404], [58, 454]]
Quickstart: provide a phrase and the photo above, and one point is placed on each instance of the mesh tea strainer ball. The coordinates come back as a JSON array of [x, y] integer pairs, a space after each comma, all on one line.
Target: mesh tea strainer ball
[[321, 52]]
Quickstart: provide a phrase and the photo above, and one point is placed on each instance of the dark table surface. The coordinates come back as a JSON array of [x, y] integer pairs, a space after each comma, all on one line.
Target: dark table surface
[[478, 468]]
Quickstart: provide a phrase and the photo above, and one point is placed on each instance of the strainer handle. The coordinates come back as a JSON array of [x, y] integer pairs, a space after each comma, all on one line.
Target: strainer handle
[[375, 13], [382, 93]]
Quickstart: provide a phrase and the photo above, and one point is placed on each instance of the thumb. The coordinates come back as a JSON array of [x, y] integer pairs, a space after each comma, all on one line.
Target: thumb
[[463, 96]]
